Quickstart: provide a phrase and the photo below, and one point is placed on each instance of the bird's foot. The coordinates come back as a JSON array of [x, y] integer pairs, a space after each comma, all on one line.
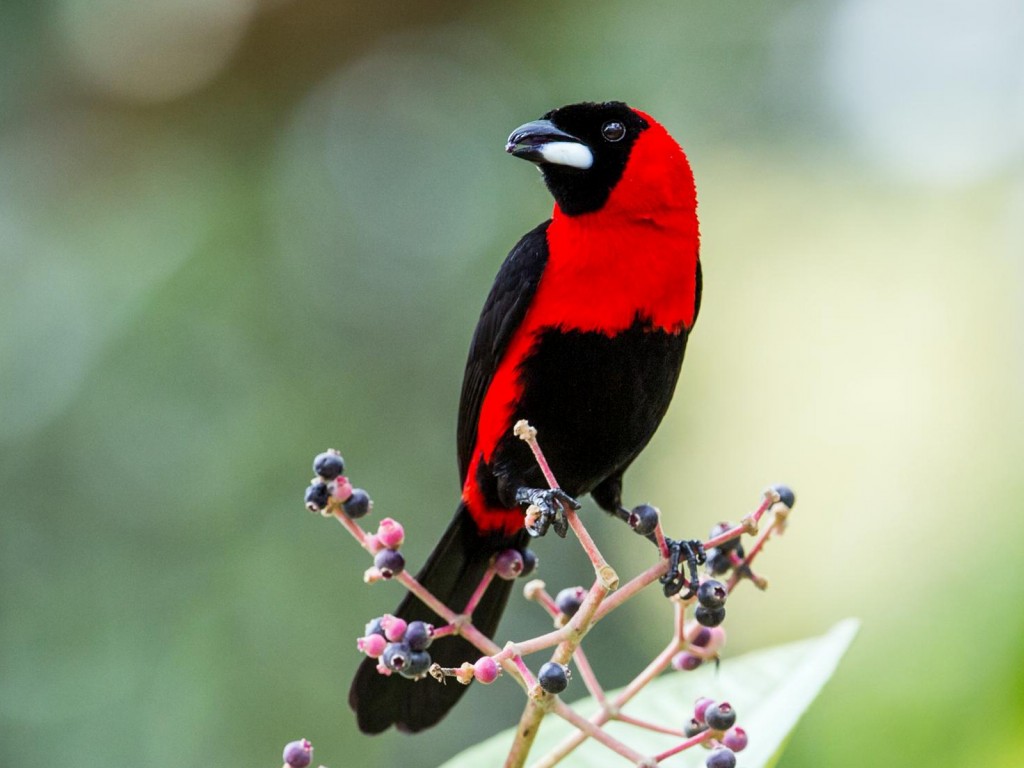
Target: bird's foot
[[550, 504], [680, 552]]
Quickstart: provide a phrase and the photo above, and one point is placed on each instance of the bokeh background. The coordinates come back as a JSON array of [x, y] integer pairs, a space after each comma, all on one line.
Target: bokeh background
[[236, 232]]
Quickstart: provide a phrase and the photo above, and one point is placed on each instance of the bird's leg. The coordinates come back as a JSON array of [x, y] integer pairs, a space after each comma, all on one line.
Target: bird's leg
[[549, 501], [679, 551]]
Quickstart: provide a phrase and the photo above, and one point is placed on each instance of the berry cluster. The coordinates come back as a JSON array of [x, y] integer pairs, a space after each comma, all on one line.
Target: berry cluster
[[331, 487], [724, 737], [400, 647]]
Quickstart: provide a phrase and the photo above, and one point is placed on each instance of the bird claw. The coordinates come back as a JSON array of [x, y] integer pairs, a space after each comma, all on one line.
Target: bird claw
[[679, 552], [551, 504]]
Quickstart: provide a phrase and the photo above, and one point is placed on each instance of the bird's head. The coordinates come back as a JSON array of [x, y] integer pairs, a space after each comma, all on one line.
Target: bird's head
[[602, 156]]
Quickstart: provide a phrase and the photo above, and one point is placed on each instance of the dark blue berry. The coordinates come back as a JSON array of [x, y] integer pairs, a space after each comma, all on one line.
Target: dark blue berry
[[396, 656], [529, 562], [721, 758], [643, 519], [718, 561], [693, 727], [373, 627], [712, 594], [317, 496], [417, 665], [553, 678], [389, 562], [786, 495], [328, 464], [298, 754], [720, 716], [358, 504], [570, 599], [418, 635], [709, 617]]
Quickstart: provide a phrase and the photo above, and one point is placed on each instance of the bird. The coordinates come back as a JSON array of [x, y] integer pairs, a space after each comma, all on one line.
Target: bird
[[582, 334]]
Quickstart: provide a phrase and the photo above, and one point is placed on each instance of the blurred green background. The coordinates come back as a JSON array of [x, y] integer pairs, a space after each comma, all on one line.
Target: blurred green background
[[236, 232]]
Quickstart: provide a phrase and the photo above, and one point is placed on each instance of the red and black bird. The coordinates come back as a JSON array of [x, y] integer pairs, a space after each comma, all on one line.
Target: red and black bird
[[582, 334]]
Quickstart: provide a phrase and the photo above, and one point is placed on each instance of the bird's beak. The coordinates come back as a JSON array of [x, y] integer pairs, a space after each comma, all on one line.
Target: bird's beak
[[542, 143]]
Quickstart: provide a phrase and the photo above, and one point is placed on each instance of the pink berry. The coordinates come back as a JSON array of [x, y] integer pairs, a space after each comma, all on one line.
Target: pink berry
[[735, 739], [486, 670], [394, 628], [372, 645], [508, 564], [701, 706], [390, 533], [342, 489]]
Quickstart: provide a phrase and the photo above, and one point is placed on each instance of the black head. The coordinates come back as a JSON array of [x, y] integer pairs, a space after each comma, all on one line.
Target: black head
[[581, 149]]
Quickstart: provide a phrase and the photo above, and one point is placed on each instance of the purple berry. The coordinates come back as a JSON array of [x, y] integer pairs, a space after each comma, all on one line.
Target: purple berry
[[700, 708], [686, 662], [317, 497], [693, 727], [721, 758], [553, 678], [374, 627], [486, 670], [643, 519], [389, 562], [298, 754], [529, 562], [358, 504], [702, 638], [570, 599], [396, 656], [508, 564], [735, 739], [720, 716], [786, 495], [328, 464], [418, 635], [712, 594], [709, 617], [417, 666]]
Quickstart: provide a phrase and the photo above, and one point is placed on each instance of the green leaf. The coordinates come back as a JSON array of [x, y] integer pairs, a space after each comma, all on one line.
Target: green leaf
[[769, 689]]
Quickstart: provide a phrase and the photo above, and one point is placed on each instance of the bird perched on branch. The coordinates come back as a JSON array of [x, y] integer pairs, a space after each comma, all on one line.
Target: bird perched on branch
[[583, 334]]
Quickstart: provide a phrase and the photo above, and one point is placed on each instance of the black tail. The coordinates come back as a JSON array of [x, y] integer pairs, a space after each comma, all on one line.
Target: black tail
[[452, 573]]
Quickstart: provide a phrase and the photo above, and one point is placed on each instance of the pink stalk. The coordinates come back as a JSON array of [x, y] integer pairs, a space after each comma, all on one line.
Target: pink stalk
[[408, 581], [353, 528], [691, 742], [659, 534], [595, 732], [589, 678], [631, 588], [747, 525], [478, 594], [649, 726], [605, 572]]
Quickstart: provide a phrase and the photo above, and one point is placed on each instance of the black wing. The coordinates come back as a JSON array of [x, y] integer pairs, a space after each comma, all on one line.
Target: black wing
[[502, 314]]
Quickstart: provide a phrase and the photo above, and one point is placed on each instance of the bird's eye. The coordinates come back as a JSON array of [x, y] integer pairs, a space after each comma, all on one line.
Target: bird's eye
[[613, 131]]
